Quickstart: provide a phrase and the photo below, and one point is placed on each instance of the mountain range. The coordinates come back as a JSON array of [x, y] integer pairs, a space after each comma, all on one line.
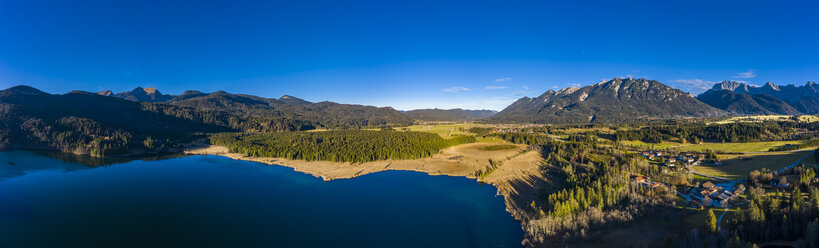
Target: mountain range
[[145, 120], [614, 101], [291, 109], [328, 112], [742, 98], [87, 123]]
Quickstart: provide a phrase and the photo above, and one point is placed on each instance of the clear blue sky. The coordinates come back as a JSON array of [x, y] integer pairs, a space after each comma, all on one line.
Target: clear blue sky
[[405, 54]]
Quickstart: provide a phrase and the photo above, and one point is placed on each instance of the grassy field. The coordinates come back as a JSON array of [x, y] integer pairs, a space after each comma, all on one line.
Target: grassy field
[[444, 130], [489, 139], [810, 160], [738, 147], [448, 131], [738, 167], [662, 145], [698, 219], [499, 147], [717, 147], [584, 130]]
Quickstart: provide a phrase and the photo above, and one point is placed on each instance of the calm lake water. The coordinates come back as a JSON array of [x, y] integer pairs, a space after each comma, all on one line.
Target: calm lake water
[[211, 201]]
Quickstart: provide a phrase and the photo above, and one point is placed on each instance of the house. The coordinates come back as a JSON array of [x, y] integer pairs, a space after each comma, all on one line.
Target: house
[[640, 179], [708, 185], [722, 197], [738, 191], [709, 191], [654, 185]]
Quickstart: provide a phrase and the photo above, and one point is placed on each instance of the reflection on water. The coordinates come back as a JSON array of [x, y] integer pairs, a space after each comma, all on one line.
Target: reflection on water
[[212, 201], [19, 162], [98, 161]]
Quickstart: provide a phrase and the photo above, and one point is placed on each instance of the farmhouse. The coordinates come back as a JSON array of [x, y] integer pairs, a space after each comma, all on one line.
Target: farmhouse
[[708, 185]]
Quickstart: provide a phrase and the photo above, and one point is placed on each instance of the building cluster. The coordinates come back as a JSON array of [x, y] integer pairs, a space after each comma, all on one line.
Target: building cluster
[[513, 128], [683, 158], [711, 195], [646, 183]]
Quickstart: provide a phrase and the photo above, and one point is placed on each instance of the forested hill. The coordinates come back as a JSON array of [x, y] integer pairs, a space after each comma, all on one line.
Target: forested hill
[[320, 114], [87, 123], [449, 114], [100, 125], [285, 113], [615, 101]]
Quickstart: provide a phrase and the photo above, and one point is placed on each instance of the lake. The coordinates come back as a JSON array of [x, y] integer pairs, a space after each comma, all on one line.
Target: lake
[[212, 201]]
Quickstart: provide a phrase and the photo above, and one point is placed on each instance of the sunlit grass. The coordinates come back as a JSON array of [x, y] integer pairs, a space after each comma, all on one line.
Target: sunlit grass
[[499, 147], [728, 147], [444, 130], [738, 166], [739, 147]]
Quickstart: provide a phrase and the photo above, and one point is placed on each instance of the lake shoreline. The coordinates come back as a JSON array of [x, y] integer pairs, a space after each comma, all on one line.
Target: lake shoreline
[[519, 166], [215, 200]]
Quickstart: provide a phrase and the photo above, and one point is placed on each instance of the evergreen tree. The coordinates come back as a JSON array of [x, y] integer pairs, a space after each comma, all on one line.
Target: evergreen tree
[[711, 221]]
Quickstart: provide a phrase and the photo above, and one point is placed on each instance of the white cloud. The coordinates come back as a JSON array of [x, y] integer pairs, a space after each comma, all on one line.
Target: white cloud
[[694, 85], [494, 103], [493, 87], [503, 79], [455, 89], [523, 92], [746, 74], [490, 102]]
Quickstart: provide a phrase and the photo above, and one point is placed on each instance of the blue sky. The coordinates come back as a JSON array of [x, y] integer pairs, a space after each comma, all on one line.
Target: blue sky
[[405, 54]]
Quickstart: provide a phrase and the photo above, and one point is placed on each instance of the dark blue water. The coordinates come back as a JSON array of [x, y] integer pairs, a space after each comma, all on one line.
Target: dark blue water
[[211, 201]]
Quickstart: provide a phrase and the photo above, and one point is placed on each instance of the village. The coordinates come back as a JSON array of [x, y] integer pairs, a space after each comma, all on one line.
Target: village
[[716, 192], [701, 195], [682, 159]]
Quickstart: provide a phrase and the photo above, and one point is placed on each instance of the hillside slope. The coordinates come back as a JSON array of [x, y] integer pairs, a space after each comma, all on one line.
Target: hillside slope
[[614, 101], [88, 123], [745, 104], [804, 99]]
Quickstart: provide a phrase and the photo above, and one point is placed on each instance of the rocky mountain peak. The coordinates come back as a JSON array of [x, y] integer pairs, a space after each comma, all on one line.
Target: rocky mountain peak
[[770, 86], [105, 93], [151, 90]]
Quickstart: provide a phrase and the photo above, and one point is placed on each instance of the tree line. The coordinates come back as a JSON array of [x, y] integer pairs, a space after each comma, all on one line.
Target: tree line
[[355, 146], [697, 132]]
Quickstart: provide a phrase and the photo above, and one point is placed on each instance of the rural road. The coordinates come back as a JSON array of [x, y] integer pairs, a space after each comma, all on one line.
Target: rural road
[[795, 163], [706, 175]]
